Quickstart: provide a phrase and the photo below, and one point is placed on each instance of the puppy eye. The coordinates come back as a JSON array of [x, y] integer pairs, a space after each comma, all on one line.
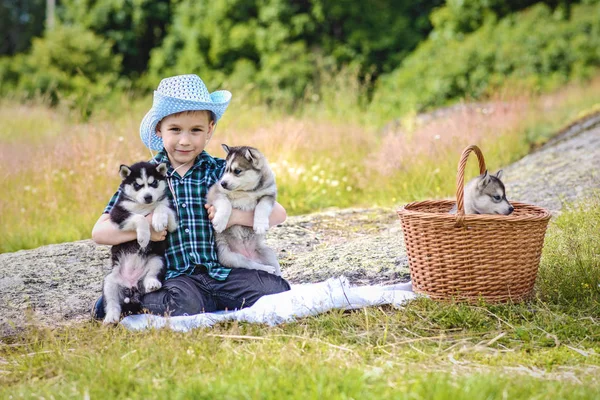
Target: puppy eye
[[154, 184], [237, 171], [497, 198], [137, 186]]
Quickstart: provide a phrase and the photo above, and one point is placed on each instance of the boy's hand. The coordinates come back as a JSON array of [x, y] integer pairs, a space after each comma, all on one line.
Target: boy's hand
[[156, 236], [211, 211], [219, 218]]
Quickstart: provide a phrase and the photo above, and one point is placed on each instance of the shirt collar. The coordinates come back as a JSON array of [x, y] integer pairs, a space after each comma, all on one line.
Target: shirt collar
[[202, 158]]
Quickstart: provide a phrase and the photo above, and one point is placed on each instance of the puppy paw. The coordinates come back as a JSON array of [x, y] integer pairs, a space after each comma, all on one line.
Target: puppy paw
[[143, 238], [152, 284], [263, 267], [172, 224], [261, 226], [219, 223], [111, 317], [160, 221]]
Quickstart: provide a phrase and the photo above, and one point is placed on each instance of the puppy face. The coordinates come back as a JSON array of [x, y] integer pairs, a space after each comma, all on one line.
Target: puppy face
[[144, 182], [244, 169], [490, 197]]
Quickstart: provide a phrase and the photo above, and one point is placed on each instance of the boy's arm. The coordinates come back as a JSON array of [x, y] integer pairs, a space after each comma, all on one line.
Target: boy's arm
[[107, 232], [246, 218]]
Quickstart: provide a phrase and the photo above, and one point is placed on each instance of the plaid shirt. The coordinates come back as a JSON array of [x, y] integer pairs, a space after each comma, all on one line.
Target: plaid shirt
[[193, 243]]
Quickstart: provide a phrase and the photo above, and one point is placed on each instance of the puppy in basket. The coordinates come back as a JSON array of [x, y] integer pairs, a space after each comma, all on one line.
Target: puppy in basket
[[485, 194], [248, 184]]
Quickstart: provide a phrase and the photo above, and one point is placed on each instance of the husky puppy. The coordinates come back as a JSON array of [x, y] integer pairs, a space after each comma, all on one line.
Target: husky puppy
[[248, 184], [486, 194], [138, 265]]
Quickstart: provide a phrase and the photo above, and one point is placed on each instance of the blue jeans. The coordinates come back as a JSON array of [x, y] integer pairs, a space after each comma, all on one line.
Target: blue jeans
[[197, 293]]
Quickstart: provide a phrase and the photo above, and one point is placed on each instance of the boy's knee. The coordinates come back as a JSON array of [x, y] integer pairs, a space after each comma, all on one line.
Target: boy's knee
[[271, 284], [182, 302], [174, 300]]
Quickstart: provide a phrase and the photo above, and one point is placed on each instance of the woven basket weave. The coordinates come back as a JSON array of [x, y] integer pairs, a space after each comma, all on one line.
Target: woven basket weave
[[470, 257]]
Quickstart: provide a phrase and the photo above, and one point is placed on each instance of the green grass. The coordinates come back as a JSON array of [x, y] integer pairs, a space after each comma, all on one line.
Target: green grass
[[570, 273], [426, 349], [546, 348]]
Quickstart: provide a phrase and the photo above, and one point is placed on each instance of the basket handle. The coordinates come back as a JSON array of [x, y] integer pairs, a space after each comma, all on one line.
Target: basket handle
[[460, 180]]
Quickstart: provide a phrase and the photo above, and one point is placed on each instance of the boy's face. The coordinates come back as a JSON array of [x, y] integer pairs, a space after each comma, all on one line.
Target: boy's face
[[185, 135]]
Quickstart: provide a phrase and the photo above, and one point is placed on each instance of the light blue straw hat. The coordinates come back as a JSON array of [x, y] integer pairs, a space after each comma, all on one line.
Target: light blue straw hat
[[177, 94]]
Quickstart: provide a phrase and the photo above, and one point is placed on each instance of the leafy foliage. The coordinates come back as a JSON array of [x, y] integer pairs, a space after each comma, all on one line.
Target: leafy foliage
[[68, 63], [458, 17], [280, 46], [134, 27], [284, 52], [536, 49]]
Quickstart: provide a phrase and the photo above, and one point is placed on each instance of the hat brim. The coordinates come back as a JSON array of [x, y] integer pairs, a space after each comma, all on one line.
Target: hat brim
[[165, 105]]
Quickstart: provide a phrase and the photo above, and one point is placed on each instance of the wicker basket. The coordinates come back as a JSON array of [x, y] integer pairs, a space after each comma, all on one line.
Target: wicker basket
[[470, 257]]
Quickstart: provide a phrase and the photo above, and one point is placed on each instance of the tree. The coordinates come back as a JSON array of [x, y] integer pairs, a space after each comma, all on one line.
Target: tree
[[20, 22], [277, 44], [134, 26]]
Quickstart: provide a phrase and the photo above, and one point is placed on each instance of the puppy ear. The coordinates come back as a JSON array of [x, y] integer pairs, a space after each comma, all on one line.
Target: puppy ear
[[253, 156], [499, 174], [124, 171], [485, 179], [162, 169], [226, 148]]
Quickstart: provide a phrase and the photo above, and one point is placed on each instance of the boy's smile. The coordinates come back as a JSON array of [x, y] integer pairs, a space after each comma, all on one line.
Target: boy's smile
[[185, 136]]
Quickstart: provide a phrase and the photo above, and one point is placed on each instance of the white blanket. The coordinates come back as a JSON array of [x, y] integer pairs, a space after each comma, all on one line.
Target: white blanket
[[301, 301]]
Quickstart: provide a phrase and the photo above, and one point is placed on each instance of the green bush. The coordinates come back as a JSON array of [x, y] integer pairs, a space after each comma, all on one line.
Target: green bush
[[458, 17], [275, 46], [536, 48], [69, 64], [134, 27], [9, 73]]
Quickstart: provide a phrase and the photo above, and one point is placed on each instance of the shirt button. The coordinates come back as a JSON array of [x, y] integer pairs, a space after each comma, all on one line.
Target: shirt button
[[183, 205], [187, 231]]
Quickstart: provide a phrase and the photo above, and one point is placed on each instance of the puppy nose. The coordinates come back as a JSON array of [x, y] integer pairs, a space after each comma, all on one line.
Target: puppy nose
[[510, 209], [148, 198], [224, 184]]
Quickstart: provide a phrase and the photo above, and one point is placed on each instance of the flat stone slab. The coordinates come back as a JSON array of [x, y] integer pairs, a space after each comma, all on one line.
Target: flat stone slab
[[58, 283], [565, 172]]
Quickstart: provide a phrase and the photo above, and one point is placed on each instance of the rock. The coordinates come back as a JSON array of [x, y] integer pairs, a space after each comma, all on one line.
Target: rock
[[559, 174], [58, 284], [51, 284]]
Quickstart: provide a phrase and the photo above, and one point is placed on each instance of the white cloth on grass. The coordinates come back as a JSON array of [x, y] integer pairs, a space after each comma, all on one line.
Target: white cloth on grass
[[301, 301]]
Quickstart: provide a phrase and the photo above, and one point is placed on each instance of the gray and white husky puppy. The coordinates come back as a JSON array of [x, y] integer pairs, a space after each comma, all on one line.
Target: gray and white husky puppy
[[248, 184], [485, 194], [138, 265]]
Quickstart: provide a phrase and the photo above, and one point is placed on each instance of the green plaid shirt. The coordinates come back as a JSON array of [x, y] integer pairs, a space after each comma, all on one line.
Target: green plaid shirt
[[193, 243]]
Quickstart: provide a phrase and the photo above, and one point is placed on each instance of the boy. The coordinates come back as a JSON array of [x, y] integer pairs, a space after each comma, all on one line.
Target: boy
[[179, 125]]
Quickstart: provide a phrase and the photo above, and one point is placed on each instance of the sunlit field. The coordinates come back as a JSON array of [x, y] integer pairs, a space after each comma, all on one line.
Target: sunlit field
[[547, 348], [360, 107], [57, 173]]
